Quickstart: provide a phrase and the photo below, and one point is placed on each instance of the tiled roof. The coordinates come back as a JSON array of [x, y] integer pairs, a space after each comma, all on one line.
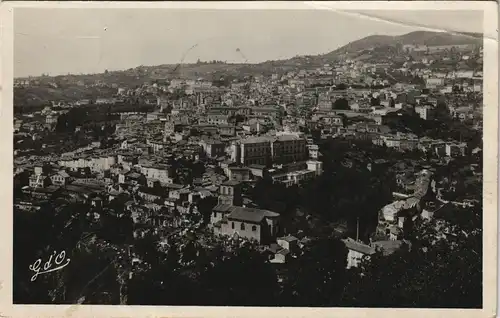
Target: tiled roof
[[359, 247], [223, 208], [230, 183], [388, 247], [288, 238], [251, 215]]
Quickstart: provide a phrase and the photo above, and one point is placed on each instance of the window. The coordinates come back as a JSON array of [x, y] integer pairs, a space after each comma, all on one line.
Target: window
[[254, 228], [215, 214], [232, 225], [242, 227]]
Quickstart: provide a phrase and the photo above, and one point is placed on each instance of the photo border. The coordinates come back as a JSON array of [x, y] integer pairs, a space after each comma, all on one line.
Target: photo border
[[490, 164]]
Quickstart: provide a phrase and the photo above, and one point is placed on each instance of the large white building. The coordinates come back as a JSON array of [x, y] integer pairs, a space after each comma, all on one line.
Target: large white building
[[98, 163]]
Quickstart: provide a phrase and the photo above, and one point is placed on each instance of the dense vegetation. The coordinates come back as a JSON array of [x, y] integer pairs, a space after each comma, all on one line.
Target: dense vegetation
[[195, 268]]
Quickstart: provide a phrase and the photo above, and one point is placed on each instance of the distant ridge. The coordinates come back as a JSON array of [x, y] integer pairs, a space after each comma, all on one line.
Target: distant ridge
[[191, 69], [417, 37]]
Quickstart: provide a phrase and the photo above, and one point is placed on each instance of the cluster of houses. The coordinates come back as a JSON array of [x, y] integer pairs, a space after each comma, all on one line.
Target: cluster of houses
[[204, 140]]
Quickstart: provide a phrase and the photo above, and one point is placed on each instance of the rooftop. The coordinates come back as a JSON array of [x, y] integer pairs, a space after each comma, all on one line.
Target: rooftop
[[230, 183], [359, 247], [251, 215], [256, 140], [388, 247], [288, 238]]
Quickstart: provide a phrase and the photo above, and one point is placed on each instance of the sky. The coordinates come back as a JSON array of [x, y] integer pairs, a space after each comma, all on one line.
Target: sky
[[83, 41]]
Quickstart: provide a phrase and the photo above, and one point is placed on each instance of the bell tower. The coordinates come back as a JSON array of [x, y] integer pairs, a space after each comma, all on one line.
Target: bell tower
[[230, 193]]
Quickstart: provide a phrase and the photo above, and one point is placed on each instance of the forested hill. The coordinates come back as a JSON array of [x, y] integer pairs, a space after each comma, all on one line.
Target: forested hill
[[417, 37]]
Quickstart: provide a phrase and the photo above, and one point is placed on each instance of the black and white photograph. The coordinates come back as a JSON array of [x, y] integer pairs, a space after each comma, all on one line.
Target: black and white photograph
[[250, 157]]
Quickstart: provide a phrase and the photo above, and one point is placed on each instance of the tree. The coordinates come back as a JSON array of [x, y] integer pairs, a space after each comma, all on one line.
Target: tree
[[375, 101], [242, 277], [205, 207], [341, 103], [442, 269], [316, 277], [200, 269], [392, 103]]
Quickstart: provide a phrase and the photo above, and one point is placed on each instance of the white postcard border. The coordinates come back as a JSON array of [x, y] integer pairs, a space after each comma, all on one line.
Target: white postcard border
[[490, 182]]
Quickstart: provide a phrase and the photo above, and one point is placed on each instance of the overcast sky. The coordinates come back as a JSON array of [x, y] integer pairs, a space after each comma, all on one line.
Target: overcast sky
[[61, 41]]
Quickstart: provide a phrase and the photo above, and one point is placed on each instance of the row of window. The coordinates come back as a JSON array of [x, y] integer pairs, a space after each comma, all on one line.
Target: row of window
[[227, 190], [242, 227], [255, 161]]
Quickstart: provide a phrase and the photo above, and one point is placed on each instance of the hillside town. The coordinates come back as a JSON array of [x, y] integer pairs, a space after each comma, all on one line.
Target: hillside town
[[365, 149]]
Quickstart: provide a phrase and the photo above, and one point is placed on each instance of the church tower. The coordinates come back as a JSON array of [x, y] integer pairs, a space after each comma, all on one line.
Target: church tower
[[230, 193]]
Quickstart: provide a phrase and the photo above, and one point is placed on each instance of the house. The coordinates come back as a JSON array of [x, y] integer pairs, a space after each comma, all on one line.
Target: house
[[313, 151], [217, 119], [39, 181], [252, 126], [288, 242], [279, 254], [357, 251], [151, 194], [133, 178], [239, 174], [425, 112], [227, 130], [60, 178], [96, 202], [213, 149], [434, 82], [249, 223], [258, 170], [455, 149], [462, 113], [180, 195], [162, 172]]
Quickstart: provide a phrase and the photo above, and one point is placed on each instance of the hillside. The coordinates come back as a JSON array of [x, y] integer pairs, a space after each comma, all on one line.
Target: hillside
[[417, 37], [380, 48]]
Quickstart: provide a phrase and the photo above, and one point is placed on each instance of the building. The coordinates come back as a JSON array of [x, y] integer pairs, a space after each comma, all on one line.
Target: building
[[60, 178], [293, 177], [161, 172], [213, 149], [252, 126], [357, 251], [266, 150], [462, 113], [95, 163], [434, 82], [51, 119], [39, 181], [425, 112], [333, 120], [316, 166], [455, 150], [288, 148], [262, 226], [255, 150], [217, 119], [313, 151], [238, 174], [227, 130], [324, 103], [230, 193]]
